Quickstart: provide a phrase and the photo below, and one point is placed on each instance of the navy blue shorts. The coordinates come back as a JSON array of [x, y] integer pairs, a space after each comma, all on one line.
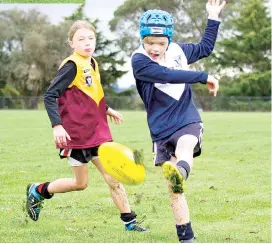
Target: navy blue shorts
[[165, 148]]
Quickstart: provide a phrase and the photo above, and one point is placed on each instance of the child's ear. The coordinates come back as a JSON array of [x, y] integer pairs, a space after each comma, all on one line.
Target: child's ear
[[71, 44]]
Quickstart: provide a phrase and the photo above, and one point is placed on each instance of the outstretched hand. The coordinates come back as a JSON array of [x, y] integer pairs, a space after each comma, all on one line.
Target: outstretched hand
[[114, 116], [214, 8], [212, 85]]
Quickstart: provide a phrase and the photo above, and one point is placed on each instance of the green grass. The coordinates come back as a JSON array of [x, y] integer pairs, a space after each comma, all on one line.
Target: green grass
[[42, 1], [228, 191]]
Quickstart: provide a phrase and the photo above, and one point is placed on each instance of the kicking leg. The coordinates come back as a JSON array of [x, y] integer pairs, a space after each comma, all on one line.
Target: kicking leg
[[178, 171], [181, 213], [179, 204], [185, 149]]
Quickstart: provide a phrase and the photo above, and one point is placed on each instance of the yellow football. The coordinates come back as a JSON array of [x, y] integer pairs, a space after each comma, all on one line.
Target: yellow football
[[119, 162]]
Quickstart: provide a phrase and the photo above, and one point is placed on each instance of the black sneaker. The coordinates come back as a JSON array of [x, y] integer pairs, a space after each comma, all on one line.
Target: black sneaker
[[33, 201], [136, 226]]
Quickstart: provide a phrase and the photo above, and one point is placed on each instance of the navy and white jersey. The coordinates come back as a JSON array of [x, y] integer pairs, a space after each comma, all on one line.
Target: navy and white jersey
[[164, 87]]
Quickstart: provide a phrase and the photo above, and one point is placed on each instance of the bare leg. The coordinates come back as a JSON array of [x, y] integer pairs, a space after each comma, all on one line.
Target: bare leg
[[178, 204], [80, 182], [185, 149], [117, 190]]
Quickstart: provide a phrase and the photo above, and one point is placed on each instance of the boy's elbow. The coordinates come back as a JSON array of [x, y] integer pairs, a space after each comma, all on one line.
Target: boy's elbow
[[206, 48], [208, 51]]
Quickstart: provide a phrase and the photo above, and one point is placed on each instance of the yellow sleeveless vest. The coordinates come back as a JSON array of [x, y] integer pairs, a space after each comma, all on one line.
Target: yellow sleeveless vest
[[82, 107], [87, 78]]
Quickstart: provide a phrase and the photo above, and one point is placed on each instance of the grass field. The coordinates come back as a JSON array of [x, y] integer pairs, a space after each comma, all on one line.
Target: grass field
[[228, 190]]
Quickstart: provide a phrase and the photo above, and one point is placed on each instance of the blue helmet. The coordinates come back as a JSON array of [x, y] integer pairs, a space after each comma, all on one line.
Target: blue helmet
[[156, 22]]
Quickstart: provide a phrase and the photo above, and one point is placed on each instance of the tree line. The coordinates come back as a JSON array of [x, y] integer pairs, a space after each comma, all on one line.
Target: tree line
[[31, 48]]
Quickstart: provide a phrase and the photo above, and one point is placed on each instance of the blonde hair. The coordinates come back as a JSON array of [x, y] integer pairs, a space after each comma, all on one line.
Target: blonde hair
[[78, 25], [148, 39]]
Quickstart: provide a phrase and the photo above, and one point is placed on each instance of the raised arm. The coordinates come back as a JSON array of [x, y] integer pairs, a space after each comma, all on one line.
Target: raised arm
[[195, 52]]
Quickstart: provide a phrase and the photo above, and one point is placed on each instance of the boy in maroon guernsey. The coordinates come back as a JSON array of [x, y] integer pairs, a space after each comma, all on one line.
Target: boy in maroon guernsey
[[78, 112]]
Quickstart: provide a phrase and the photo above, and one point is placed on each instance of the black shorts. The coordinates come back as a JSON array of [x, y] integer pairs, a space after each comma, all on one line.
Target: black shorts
[[81, 155], [165, 148]]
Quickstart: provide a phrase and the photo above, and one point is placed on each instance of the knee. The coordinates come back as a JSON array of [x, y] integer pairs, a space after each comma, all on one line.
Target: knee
[[187, 141], [81, 186]]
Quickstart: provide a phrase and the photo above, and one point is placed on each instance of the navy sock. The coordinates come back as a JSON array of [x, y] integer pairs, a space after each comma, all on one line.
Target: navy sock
[[42, 190], [128, 218], [185, 232], [184, 168]]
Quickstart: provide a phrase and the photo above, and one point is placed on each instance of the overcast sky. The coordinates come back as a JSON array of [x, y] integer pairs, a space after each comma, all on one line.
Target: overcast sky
[[100, 9], [55, 12]]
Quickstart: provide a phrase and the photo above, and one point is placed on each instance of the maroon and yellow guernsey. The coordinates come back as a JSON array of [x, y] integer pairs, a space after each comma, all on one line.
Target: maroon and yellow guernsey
[[82, 106]]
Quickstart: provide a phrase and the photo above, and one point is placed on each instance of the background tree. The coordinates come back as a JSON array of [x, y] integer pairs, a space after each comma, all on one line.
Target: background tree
[[30, 58], [244, 56], [31, 50]]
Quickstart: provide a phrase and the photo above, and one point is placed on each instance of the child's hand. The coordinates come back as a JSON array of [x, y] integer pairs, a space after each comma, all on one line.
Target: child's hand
[[213, 85], [114, 116], [214, 8], [60, 135]]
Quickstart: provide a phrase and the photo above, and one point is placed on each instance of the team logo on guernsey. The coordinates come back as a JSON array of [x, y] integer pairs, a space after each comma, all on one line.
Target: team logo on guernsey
[[87, 70], [178, 62], [88, 80]]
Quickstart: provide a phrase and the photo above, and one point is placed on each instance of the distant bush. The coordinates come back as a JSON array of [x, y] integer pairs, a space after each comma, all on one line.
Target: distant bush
[[205, 103], [234, 103]]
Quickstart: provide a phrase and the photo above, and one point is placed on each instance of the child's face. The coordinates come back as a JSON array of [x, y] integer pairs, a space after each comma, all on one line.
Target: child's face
[[155, 47], [84, 42]]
